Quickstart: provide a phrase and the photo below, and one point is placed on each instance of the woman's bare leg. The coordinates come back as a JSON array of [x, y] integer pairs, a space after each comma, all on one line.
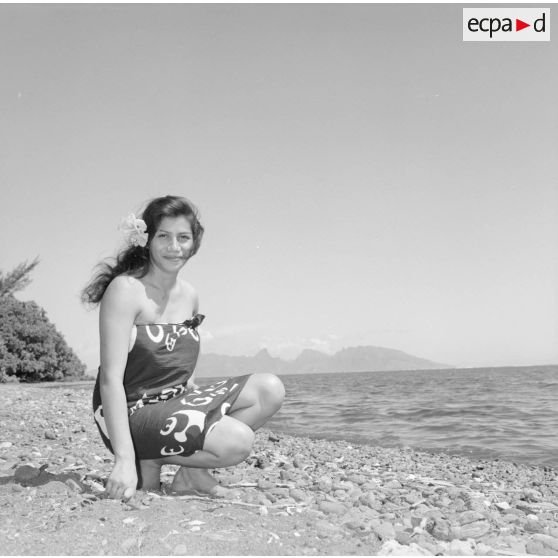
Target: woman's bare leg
[[228, 443], [260, 398]]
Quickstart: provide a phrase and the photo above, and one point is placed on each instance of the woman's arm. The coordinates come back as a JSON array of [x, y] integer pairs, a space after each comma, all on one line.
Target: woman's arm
[[119, 308]]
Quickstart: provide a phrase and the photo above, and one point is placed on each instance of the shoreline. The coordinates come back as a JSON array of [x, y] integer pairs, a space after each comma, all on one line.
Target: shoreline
[[299, 496]]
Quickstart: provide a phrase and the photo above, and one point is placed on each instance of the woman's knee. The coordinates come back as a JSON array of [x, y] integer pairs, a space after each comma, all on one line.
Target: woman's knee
[[271, 390], [231, 440]]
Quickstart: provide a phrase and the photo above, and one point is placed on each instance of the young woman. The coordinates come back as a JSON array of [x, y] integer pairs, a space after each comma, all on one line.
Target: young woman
[[146, 406]]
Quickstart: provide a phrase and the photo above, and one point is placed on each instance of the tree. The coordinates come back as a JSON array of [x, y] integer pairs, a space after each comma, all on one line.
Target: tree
[[17, 279], [31, 348]]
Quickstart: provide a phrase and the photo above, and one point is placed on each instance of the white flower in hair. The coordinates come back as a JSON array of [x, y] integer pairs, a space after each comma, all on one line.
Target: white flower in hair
[[134, 230]]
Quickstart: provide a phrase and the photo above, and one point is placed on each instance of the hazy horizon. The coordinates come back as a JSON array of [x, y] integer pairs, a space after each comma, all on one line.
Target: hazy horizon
[[364, 176]]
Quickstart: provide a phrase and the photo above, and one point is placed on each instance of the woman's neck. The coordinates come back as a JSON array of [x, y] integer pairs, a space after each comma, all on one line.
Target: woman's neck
[[163, 282]]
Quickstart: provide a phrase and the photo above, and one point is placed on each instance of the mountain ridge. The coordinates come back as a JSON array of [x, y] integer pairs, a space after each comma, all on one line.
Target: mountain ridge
[[362, 358]]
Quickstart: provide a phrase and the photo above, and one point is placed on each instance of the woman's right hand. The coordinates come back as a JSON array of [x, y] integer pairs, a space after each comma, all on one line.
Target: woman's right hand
[[122, 481]]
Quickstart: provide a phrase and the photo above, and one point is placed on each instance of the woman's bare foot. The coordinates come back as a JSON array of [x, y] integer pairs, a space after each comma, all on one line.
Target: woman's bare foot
[[198, 481]]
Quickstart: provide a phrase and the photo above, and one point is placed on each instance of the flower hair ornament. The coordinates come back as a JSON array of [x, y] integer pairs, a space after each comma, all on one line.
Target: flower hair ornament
[[134, 230]]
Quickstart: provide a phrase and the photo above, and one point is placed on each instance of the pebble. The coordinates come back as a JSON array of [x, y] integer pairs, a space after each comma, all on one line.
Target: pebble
[[502, 505], [536, 547], [54, 487], [393, 548], [128, 544], [461, 548], [5, 445], [383, 529], [50, 435], [547, 540], [332, 507], [297, 494], [441, 530], [473, 530], [469, 516], [403, 536], [325, 528], [265, 484], [324, 484], [532, 526], [376, 500]]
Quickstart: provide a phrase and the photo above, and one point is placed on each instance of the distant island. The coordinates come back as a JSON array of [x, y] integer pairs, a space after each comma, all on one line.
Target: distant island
[[350, 359]]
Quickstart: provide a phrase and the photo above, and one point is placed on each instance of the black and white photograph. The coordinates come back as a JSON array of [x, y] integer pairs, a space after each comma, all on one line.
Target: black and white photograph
[[278, 279]]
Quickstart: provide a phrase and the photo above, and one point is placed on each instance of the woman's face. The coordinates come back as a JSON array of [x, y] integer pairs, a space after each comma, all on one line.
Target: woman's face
[[173, 244]]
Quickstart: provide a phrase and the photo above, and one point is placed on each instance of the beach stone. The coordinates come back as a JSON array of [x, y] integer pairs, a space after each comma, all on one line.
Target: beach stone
[[532, 526], [511, 518], [502, 505], [484, 550], [473, 530], [26, 473], [54, 487], [441, 529], [298, 463], [384, 529], [367, 499], [286, 475], [324, 484], [430, 545], [526, 507], [73, 485], [332, 507], [5, 445], [532, 495], [393, 548], [128, 544], [50, 435], [459, 505], [403, 535], [536, 547], [325, 528], [280, 492], [297, 494], [547, 540], [412, 497], [181, 550], [357, 479], [461, 548], [393, 485], [265, 484], [469, 516]]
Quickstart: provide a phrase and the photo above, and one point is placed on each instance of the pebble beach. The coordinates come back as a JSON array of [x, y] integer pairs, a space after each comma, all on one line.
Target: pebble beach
[[297, 496]]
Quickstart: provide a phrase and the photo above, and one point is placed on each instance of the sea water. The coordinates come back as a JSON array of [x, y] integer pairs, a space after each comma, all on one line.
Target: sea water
[[487, 413]]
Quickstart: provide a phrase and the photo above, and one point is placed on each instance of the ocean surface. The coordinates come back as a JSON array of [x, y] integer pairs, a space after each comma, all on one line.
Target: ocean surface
[[487, 413]]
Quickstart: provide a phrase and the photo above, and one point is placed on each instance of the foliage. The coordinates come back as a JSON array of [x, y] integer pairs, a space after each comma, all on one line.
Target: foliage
[[17, 279], [31, 348]]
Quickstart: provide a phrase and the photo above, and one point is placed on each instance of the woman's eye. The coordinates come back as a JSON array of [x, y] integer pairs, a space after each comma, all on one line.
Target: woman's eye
[[184, 238]]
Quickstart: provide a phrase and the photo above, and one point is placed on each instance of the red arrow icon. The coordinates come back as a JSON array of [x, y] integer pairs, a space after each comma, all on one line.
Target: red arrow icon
[[519, 25]]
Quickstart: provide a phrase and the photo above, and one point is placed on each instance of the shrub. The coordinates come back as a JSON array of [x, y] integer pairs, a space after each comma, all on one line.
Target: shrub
[[31, 348]]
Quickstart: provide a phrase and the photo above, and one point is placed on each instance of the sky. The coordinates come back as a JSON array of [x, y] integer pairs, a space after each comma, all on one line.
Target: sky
[[363, 175]]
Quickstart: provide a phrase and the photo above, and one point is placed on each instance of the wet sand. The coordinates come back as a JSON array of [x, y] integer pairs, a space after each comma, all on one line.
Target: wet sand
[[299, 496]]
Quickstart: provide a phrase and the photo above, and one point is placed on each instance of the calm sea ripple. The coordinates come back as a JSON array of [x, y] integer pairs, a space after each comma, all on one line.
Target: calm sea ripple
[[489, 413]]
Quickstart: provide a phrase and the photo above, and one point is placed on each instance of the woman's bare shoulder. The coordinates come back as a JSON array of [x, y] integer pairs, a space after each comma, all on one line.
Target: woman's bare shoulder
[[126, 283], [124, 290]]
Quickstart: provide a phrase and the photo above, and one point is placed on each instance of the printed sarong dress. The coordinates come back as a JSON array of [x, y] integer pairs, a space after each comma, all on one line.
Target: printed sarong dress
[[166, 417]]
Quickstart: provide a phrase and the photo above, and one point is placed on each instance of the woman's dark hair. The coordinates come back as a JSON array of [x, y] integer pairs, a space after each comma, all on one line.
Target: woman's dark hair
[[134, 260]]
